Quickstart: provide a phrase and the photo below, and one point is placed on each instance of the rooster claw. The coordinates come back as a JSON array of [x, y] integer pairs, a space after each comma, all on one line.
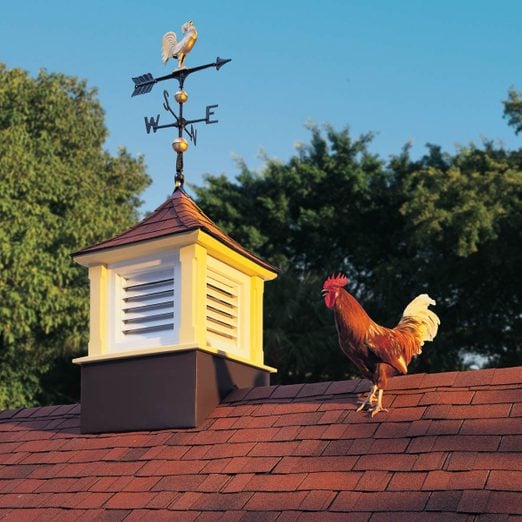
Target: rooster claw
[[376, 410], [371, 400], [368, 402], [365, 405]]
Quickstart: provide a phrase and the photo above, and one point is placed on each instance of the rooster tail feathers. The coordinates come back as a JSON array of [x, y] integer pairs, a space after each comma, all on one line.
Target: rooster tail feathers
[[426, 322], [168, 46]]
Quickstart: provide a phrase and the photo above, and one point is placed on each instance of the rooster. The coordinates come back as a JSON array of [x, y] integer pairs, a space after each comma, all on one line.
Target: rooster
[[171, 48], [378, 352]]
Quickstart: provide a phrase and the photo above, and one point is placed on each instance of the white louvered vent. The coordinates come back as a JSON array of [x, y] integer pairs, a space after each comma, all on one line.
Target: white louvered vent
[[148, 304], [221, 311]]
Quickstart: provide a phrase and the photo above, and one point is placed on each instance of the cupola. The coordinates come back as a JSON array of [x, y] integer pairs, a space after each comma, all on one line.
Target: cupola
[[176, 321]]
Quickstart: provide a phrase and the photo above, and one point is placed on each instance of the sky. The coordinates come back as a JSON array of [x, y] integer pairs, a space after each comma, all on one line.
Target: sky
[[409, 70]]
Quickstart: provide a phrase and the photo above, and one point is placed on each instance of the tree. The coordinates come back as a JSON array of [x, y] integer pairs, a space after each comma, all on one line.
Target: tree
[[513, 109], [445, 224], [464, 215], [60, 191]]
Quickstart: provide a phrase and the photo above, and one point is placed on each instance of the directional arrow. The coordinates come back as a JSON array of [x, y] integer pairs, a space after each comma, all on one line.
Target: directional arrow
[[143, 84]]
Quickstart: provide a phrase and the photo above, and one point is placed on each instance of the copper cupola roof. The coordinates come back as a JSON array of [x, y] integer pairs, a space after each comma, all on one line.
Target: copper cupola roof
[[177, 215]]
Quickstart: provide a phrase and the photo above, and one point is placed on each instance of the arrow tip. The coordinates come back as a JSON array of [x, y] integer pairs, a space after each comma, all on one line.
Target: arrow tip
[[221, 61]]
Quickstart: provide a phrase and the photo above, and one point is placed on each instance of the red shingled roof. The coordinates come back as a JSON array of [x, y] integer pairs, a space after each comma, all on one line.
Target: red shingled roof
[[449, 449], [177, 215]]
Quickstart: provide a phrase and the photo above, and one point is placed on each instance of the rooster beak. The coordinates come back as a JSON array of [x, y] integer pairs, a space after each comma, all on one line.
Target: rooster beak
[[324, 292]]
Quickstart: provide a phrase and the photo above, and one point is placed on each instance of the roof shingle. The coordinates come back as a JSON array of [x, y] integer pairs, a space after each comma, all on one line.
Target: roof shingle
[[450, 448]]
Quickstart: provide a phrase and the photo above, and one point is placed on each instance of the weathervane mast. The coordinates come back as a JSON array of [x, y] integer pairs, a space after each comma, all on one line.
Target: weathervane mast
[[171, 48]]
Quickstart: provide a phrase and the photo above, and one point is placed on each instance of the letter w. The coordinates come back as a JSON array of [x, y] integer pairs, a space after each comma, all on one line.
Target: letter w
[[151, 123]]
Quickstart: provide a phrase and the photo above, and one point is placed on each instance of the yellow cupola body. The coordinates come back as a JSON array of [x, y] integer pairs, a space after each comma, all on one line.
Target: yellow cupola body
[[176, 321]]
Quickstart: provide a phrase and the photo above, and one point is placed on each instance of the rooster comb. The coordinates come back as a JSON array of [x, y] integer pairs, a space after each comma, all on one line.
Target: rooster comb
[[335, 281]]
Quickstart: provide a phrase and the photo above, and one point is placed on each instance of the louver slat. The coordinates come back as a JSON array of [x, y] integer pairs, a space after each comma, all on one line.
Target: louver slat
[[220, 334], [148, 296], [154, 284], [148, 306], [219, 304], [147, 329], [215, 316], [148, 318], [221, 288], [151, 325]]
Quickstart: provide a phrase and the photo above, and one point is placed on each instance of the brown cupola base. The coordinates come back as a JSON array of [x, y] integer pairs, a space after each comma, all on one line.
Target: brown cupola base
[[177, 389]]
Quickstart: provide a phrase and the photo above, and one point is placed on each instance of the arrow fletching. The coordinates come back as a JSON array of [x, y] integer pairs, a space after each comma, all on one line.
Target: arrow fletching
[[143, 84]]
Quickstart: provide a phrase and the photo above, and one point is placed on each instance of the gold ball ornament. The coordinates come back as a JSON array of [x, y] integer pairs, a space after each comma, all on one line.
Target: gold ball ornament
[[180, 145], [181, 96]]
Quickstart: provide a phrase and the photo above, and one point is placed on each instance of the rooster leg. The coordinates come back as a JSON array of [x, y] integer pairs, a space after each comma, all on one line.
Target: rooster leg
[[368, 402], [379, 407]]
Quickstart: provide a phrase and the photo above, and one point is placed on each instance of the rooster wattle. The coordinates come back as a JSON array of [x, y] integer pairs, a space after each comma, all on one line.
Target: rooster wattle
[[378, 352]]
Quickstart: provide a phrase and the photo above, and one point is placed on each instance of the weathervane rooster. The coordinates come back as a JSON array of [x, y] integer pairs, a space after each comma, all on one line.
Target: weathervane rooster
[[378, 352], [171, 48]]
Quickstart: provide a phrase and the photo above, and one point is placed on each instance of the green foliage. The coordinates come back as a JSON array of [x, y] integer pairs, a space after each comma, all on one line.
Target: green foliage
[[59, 192], [464, 218], [446, 224], [513, 109]]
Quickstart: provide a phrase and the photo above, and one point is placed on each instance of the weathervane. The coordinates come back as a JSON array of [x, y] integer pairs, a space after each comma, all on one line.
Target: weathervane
[[171, 48]]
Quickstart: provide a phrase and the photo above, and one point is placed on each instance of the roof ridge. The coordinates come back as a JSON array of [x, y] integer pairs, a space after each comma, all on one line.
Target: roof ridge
[[181, 192], [506, 378]]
